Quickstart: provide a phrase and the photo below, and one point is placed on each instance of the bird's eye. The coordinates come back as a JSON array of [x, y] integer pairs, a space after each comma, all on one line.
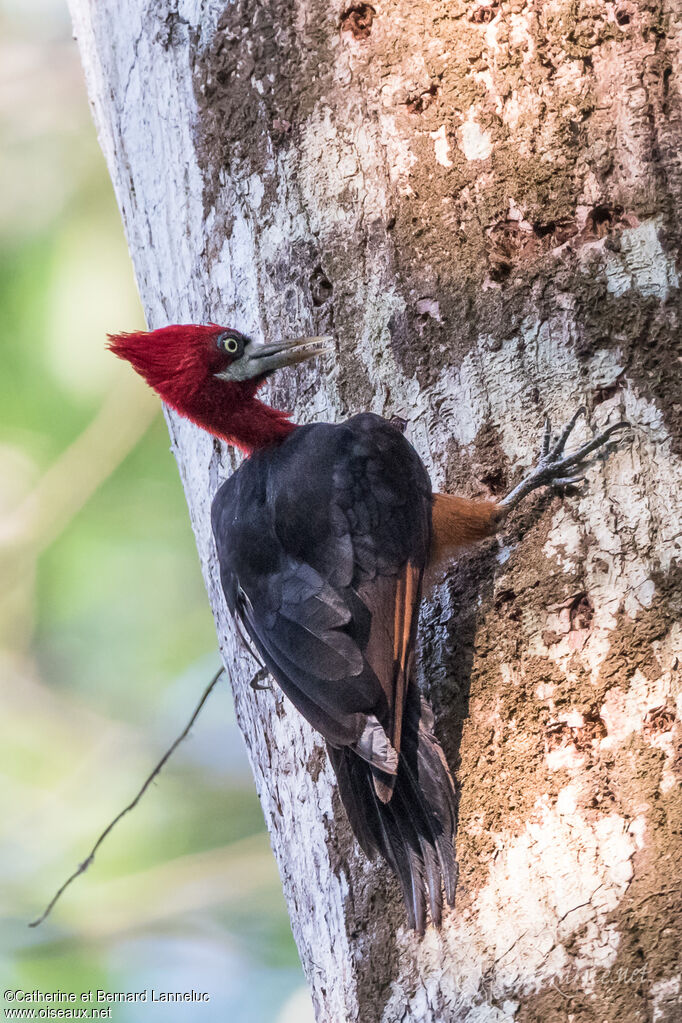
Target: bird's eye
[[229, 343]]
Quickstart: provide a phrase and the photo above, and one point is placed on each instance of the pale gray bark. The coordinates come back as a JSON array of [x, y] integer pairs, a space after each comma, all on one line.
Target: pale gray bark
[[480, 201]]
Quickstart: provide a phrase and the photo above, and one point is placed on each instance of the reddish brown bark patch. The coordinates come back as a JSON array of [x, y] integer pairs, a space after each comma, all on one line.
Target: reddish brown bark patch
[[581, 612], [659, 721], [421, 101], [582, 737], [358, 20], [483, 14]]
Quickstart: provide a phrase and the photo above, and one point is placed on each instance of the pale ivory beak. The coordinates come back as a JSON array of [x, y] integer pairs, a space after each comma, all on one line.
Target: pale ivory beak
[[260, 360]]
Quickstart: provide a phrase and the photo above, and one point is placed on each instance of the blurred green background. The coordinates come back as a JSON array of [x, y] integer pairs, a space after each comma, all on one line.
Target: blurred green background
[[106, 638]]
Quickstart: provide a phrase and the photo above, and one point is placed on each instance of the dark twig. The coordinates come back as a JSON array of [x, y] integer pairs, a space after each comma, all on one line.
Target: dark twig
[[131, 806]]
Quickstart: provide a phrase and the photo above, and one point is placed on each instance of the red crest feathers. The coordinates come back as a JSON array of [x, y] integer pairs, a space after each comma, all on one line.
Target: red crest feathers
[[180, 363]]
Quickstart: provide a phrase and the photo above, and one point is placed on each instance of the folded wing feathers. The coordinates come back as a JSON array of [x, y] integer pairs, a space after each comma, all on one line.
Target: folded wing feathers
[[374, 747]]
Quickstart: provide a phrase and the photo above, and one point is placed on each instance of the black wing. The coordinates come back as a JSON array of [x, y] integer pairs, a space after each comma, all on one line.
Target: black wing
[[322, 543]]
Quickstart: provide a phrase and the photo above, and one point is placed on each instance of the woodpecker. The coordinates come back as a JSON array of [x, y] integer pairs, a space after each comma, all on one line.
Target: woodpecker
[[324, 535]]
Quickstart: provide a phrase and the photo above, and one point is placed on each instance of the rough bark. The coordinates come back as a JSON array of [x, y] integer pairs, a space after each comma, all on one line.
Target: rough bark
[[480, 201]]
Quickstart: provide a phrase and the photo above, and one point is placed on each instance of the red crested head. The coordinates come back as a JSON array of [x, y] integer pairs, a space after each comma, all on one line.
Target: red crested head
[[176, 361], [210, 374]]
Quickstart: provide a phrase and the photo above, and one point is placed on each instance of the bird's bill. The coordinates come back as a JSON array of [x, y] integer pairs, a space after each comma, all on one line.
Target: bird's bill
[[261, 360]]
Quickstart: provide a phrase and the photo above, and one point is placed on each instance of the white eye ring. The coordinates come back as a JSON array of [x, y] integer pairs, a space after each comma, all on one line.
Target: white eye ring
[[231, 345]]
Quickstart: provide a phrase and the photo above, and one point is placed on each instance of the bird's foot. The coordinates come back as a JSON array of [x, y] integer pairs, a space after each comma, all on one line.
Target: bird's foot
[[257, 683], [556, 469]]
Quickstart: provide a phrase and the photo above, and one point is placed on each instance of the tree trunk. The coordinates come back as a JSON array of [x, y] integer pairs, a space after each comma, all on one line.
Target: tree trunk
[[480, 201]]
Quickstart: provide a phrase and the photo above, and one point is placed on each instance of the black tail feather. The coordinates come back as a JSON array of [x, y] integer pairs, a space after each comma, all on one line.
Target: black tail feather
[[433, 882], [415, 831]]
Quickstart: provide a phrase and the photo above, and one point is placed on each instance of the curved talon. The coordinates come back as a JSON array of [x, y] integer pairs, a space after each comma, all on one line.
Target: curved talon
[[592, 445], [547, 437], [567, 431], [567, 481], [551, 469], [258, 684]]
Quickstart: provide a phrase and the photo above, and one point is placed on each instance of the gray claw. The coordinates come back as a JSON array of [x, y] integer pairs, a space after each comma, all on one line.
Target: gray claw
[[581, 454], [256, 682], [551, 469], [566, 433], [547, 437], [567, 481]]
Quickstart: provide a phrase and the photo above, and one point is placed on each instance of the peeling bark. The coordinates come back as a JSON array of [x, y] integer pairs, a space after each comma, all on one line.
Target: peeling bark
[[480, 201]]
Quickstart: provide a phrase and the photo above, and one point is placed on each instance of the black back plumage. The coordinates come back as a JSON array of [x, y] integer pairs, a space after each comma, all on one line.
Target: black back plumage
[[315, 538]]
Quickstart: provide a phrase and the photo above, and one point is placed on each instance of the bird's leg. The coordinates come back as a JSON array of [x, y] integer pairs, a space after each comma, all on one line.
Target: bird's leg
[[553, 467], [460, 521], [257, 682]]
